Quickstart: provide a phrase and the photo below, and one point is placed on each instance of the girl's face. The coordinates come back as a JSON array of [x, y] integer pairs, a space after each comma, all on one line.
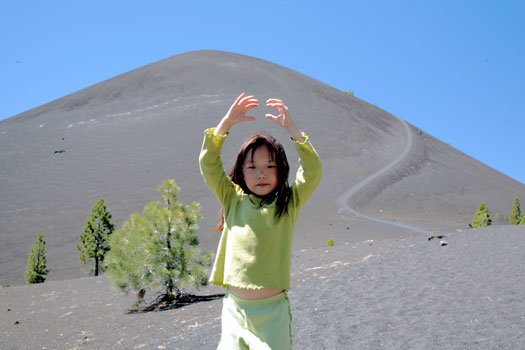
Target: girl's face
[[260, 172]]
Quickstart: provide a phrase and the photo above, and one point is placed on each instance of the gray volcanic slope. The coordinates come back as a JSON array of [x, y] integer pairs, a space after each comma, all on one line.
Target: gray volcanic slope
[[120, 138]]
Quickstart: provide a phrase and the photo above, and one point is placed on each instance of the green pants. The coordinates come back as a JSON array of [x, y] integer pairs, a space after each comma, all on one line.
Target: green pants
[[261, 324]]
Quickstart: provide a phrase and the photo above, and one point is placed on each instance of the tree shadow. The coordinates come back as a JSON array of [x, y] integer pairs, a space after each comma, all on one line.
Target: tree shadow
[[166, 302]]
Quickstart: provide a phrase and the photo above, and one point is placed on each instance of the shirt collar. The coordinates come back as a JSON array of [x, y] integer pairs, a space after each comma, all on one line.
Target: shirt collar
[[262, 202]]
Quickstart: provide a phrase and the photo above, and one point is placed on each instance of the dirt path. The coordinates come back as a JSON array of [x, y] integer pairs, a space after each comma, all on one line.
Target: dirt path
[[344, 201]]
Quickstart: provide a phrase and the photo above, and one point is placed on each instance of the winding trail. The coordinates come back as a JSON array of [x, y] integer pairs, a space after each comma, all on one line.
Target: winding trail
[[343, 201]]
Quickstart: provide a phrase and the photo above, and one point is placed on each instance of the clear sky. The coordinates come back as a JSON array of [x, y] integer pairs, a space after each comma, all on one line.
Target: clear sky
[[454, 68]]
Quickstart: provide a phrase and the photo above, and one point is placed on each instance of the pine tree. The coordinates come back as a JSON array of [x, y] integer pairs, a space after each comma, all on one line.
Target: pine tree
[[93, 241], [482, 217], [515, 213], [159, 248], [37, 262]]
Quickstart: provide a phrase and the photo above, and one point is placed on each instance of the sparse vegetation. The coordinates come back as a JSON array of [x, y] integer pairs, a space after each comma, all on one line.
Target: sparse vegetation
[[329, 243], [36, 269], [349, 93], [482, 217], [93, 241], [159, 247], [515, 213]]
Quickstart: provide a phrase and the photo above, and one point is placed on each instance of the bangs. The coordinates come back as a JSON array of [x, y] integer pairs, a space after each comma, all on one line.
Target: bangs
[[250, 150]]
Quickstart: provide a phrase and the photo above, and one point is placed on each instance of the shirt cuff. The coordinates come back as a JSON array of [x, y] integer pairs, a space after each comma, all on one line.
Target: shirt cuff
[[305, 137], [209, 132]]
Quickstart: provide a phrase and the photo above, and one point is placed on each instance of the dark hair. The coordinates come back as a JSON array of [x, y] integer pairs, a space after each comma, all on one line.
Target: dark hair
[[276, 150]]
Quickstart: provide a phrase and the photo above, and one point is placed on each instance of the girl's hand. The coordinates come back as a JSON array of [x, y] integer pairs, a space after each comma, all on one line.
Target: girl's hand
[[283, 119], [237, 113]]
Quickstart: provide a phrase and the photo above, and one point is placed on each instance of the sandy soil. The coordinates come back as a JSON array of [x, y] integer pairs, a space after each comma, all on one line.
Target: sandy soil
[[405, 293]]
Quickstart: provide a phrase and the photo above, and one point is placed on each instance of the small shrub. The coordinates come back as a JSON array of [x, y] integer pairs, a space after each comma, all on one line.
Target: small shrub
[[482, 217], [159, 247], [515, 213], [329, 243], [36, 269], [93, 243]]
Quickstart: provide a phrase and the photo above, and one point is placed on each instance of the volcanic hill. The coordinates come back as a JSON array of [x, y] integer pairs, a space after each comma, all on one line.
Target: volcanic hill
[[382, 177]]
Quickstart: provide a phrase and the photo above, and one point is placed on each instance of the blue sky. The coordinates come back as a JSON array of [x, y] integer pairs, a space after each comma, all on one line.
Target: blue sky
[[455, 69]]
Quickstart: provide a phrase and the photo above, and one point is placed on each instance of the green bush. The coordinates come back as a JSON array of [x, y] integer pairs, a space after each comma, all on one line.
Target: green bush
[[329, 243], [159, 248], [93, 241], [37, 262], [482, 217], [515, 213]]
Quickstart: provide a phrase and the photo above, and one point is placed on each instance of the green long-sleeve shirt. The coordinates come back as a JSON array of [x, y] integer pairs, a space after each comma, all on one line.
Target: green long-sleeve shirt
[[255, 246]]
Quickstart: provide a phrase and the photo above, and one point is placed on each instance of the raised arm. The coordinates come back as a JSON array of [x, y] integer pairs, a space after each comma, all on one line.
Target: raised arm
[[210, 157], [309, 173], [284, 119], [236, 114]]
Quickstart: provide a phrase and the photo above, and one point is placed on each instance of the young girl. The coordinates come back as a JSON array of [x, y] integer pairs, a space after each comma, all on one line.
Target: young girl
[[260, 208]]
